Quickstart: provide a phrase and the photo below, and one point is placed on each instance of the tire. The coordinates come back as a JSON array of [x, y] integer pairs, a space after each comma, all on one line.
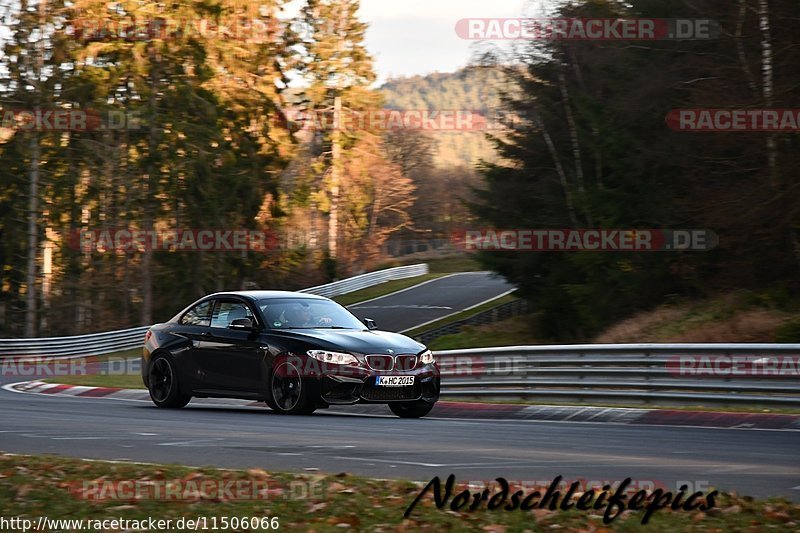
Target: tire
[[288, 393], [270, 402], [411, 410], [162, 383]]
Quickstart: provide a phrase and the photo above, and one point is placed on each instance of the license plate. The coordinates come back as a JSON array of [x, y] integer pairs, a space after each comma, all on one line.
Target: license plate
[[394, 381]]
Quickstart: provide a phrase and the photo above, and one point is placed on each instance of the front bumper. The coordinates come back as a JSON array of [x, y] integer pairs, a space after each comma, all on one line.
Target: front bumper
[[361, 388]]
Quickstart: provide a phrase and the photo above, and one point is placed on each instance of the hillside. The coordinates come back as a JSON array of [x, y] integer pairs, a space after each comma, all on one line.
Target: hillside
[[739, 316], [474, 89]]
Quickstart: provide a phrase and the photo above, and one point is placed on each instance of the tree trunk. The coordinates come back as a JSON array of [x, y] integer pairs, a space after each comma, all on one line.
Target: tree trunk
[[31, 315], [147, 195], [562, 176], [767, 83], [33, 239], [751, 82], [336, 156], [573, 135]]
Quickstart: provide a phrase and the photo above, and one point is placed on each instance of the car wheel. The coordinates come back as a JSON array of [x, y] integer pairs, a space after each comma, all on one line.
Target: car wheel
[[411, 410], [289, 393], [271, 402], [162, 380]]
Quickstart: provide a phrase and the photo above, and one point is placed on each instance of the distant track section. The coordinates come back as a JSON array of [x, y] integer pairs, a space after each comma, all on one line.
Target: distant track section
[[431, 300]]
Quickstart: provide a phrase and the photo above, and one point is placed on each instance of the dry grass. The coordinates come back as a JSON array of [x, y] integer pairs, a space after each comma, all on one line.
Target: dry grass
[[733, 317], [74, 489], [719, 320]]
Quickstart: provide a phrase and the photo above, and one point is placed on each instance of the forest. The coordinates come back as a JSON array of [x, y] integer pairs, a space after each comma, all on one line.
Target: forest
[[599, 152], [155, 117], [147, 119]]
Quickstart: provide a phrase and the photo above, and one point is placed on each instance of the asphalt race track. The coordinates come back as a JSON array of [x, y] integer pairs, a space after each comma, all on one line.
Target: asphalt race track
[[432, 300], [755, 462]]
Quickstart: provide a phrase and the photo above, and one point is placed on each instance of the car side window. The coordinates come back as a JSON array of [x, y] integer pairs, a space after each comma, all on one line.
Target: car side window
[[199, 315], [227, 312]]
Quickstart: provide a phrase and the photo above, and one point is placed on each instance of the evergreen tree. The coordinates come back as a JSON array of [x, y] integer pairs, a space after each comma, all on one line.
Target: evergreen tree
[[596, 152]]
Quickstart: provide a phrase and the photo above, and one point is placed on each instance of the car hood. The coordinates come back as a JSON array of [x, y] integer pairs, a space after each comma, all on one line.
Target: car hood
[[358, 341]]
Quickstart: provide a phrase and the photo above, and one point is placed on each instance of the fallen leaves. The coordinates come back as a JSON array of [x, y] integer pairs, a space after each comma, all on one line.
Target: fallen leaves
[[23, 491], [541, 514], [345, 501], [335, 487], [121, 508], [349, 520], [316, 507], [258, 473], [780, 516]]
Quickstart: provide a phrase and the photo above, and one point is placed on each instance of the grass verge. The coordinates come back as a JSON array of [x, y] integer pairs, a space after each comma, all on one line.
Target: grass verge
[[736, 316], [117, 370], [516, 331], [439, 265], [462, 315], [383, 289], [63, 488]]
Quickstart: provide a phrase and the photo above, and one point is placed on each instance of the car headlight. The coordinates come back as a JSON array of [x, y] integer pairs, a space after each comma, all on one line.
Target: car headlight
[[333, 357], [426, 358]]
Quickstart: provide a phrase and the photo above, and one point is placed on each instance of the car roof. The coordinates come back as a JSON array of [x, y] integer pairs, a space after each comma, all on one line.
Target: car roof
[[266, 295]]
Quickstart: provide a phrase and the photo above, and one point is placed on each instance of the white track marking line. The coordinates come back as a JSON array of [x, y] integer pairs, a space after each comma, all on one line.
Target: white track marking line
[[83, 438], [190, 443], [412, 463], [436, 465], [471, 307], [406, 289]]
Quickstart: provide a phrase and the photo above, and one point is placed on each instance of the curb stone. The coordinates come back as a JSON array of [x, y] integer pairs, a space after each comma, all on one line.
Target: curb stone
[[470, 410]]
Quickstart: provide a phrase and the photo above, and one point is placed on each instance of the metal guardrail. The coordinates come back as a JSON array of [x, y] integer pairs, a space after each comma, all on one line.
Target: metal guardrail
[[629, 373], [75, 346], [128, 339], [368, 280], [625, 373]]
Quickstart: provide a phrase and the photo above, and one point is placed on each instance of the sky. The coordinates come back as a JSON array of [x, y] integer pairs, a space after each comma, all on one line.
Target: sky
[[408, 37]]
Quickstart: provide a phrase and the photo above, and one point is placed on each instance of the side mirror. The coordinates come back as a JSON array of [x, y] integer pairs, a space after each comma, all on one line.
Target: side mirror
[[370, 324], [241, 324]]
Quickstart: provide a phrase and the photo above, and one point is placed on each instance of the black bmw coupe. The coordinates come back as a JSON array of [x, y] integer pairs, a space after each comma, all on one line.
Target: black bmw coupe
[[297, 352]]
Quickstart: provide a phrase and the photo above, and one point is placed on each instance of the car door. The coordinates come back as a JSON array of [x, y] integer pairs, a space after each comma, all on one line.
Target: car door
[[195, 326], [230, 359]]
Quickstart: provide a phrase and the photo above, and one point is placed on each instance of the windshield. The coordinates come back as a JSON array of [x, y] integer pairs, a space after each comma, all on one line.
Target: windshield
[[303, 313]]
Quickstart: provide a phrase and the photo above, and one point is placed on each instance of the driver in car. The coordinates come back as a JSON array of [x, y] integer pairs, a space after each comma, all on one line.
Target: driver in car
[[300, 316]]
